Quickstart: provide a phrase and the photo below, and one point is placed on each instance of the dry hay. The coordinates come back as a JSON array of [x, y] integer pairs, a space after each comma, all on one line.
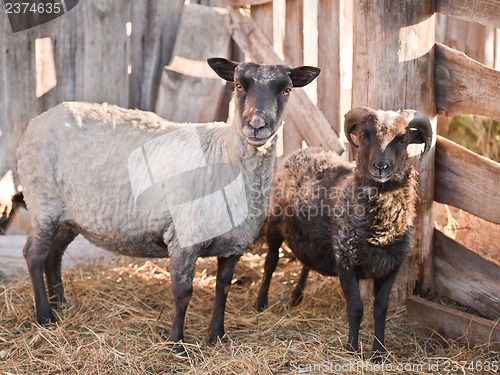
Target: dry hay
[[119, 314]]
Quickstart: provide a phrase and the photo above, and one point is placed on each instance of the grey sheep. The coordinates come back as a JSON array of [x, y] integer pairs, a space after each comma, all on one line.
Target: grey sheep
[[134, 183], [350, 220]]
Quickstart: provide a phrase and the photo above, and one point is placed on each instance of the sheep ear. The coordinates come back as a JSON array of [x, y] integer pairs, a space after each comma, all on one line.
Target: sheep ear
[[303, 75], [420, 130], [353, 118], [223, 67]]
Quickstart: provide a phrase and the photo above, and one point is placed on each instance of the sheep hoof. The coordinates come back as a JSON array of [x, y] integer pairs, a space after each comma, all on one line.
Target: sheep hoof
[[59, 306], [352, 350], [379, 357], [260, 306], [45, 319], [215, 339], [296, 299], [179, 351]]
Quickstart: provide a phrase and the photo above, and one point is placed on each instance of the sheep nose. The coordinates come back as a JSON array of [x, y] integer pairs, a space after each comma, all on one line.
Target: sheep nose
[[257, 122], [380, 166]]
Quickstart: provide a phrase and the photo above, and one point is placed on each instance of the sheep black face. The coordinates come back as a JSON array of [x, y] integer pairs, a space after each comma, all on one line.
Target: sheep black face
[[261, 93], [382, 139]]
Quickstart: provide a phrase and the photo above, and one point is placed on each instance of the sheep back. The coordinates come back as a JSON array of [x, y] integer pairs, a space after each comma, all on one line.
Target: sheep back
[[333, 223], [73, 165]]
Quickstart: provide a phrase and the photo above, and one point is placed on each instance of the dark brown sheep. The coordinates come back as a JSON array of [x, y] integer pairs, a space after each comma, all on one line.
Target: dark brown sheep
[[350, 220]]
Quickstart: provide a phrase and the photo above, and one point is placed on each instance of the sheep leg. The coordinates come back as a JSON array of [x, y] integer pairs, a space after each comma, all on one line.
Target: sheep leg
[[382, 288], [274, 241], [225, 272], [52, 265], [298, 292], [35, 252], [350, 286], [182, 267]]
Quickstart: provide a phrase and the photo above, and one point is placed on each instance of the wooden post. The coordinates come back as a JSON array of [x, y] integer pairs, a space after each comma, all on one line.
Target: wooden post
[[330, 26], [294, 55], [18, 102], [262, 14], [154, 27], [393, 68], [102, 53]]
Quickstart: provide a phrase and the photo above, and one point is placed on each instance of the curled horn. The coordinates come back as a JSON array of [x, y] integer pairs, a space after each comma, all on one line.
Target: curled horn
[[353, 118], [420, 130]]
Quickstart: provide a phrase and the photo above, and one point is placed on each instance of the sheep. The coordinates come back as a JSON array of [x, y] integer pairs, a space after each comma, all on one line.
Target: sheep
[[136, 184], [350, 220]]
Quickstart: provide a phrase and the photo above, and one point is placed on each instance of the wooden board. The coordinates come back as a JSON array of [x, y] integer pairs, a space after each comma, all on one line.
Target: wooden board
[[464, 86], [393, 69], [238, 3], [304, 116], [466, 277], [293, 50], [467, 180], [189, 90], [63, 32], [330, 28], [18, 103], [429, 317], [102, 54], [480, 236], [154, 25], [469, 37], [483, 11], [13, 264], [262, 15]]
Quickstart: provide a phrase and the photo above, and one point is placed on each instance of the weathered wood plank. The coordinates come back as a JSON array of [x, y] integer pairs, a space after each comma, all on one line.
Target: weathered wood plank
[[294, 32], [102, 54], [466, 277], [62, 31], [429, 317], [18, 102], [330, 26], [240, 3], [293, 50], [480, 236], [304, 116], [154, 25], [485, 11], [464, 86], [262, 15], [14, 266], [467, 180], [189, 90], [472, 38], [392, 69]]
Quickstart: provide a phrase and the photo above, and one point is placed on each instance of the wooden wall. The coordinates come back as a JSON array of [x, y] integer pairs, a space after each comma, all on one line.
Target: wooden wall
[[94, 59]]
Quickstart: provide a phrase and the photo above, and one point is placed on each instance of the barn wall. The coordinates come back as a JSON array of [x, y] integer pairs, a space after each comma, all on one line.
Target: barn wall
[[103, 51]]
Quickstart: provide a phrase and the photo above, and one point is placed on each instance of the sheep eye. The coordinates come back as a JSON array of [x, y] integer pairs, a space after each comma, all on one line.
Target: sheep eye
[[286, 91], [403, 139], [239, 87], [362, 138]]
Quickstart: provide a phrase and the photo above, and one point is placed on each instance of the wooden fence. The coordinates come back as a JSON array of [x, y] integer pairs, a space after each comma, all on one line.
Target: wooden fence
[[115, 51], [467, 181]]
